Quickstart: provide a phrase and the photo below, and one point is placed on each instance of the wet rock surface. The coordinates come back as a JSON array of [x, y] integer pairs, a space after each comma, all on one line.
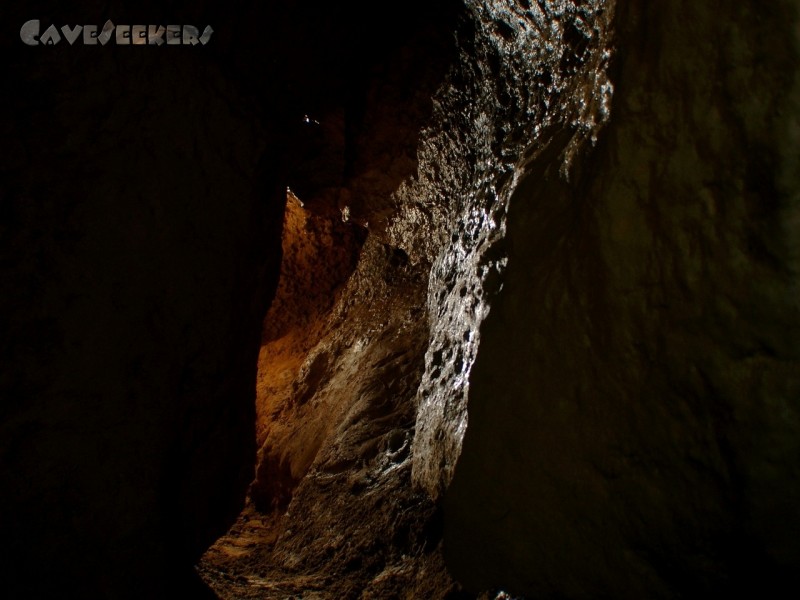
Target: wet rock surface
[[633, 409], [334, 514], [527, 73]]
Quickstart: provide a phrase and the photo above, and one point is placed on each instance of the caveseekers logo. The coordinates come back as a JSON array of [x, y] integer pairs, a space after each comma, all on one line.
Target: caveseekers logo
[[123, 35]]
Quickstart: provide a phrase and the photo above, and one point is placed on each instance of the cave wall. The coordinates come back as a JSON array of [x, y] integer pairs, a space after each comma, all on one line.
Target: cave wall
[[334, 514], [143, 192], [140, 247], [319, 256], [633, 415], [616, 182], [524, 74], [333, 510]]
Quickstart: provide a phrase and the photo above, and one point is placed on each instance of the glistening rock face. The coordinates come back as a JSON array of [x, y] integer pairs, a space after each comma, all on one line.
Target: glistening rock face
[[527, 73], [633, 414], [339, 517]]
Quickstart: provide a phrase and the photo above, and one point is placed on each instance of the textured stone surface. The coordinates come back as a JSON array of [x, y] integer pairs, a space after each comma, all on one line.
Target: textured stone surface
[[334, 513], [527, 72], [633, 408], [630, 216], [337, 515], [444, 206], [319, 255]]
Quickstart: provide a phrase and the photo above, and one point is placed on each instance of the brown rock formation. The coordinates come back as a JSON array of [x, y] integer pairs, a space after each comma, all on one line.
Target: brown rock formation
[[534, 328]]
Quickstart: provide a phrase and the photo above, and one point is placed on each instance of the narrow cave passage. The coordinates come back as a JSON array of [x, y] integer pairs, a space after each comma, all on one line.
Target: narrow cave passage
[[320, 254], [341, 360], [362, 389]]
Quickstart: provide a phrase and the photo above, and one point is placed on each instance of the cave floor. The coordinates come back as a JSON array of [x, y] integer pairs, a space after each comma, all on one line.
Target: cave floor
[[239, 564], [257, 558]]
